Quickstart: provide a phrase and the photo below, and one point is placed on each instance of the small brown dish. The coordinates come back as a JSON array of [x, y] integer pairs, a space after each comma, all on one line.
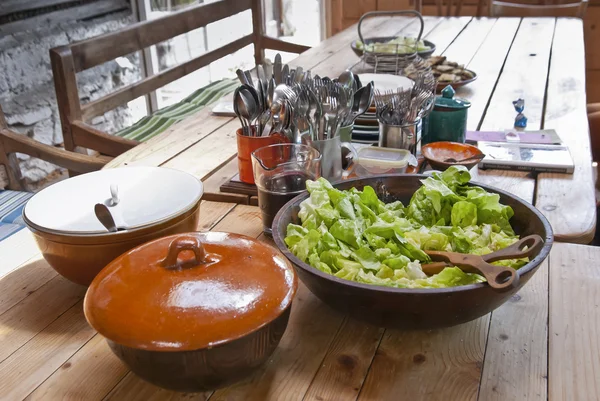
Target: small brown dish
[[145, 202], [195, 311], [441, 155]]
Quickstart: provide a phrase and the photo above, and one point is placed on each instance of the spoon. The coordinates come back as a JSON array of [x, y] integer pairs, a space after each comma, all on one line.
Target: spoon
[[361, 103], [346, 79], [277, 69], [105, 217], [237, 102], [453, 160], [244, 112]]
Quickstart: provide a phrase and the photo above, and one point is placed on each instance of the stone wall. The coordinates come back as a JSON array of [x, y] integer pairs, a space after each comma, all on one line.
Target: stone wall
[[27, 89]]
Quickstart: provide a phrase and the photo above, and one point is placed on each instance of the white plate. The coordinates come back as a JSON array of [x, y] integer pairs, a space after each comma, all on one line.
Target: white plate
[[385, 82]]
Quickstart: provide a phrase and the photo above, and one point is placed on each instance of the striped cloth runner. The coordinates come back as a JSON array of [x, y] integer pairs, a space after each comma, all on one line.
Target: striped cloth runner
[[7, 229], [11, 211], [157, 123], [11, 206]]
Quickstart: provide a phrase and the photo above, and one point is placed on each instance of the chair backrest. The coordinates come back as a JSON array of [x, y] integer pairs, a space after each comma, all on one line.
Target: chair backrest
[[453, 8], [68, 60], [543, 8]]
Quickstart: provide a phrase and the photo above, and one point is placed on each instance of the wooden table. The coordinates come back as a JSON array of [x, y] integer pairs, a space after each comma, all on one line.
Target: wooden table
[[542, 344], [539, 59]]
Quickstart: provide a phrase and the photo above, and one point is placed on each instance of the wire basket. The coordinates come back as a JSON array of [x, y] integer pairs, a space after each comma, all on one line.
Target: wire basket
[[388, 59]]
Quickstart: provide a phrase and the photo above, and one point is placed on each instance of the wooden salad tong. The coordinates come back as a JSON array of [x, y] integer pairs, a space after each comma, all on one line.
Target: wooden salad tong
[[500, 278]]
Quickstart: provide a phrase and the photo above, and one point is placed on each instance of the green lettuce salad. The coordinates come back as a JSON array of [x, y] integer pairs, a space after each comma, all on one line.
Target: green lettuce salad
[[399, 45], [355, 236]]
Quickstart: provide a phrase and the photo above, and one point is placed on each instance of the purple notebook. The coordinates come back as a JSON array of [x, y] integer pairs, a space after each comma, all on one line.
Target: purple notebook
[[549, 137]]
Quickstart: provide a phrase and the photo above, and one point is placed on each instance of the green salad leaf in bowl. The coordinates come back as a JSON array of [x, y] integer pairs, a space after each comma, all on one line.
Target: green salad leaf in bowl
[[355, 236], [399, 45]]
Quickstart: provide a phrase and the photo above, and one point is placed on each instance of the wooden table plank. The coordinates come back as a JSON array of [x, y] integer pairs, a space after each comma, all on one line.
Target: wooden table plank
[[568, 201], [574, 331], [524, 75], [488, 63], [434, 365], [212, 184], [16, 250], [31, 364], [173, 141], [209, 154], [24, 281], [105, 371], [446, 32], [515, 366], [23, 321], [469, 40], [345, 366]]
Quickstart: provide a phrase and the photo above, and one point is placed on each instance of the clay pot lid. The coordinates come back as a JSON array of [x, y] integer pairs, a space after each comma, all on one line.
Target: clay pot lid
[[158, 297], [137, 197]]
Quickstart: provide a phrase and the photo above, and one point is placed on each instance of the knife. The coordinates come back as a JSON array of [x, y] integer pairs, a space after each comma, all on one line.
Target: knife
[[262, 81], [277, 69], [285, 73], [249, 78], [241, 76]]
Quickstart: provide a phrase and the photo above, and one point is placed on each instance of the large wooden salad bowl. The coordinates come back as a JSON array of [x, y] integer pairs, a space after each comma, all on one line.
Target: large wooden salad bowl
[[413, 308]]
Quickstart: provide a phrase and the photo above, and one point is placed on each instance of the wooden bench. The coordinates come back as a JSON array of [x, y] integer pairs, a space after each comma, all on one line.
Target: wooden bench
[[68, 60]]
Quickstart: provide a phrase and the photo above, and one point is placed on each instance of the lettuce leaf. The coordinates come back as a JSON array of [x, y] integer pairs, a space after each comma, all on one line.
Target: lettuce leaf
[[353, 235]]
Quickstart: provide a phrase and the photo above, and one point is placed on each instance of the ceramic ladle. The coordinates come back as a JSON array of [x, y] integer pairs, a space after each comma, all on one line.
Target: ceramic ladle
[[500, 278], [106, 218]]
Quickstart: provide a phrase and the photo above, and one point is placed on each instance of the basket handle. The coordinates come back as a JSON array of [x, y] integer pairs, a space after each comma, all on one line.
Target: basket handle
[[397, 12]]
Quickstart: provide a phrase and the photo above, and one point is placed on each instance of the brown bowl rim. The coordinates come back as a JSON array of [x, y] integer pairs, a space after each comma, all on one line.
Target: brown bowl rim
[[447, 164], [107, 237], [278, 237]]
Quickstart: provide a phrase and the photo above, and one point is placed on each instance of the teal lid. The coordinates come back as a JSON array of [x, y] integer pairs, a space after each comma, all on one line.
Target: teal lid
[[448, 101]]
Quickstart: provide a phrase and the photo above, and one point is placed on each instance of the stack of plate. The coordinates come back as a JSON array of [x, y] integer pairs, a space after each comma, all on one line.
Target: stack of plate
[[366, 127]]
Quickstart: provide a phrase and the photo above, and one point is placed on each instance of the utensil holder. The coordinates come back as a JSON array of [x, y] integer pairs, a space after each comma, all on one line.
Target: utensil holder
[[248, 144], [407, 136], [345, 133]]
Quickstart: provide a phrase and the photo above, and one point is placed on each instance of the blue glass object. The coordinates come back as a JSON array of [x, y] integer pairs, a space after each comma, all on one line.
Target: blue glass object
[[520, 119]]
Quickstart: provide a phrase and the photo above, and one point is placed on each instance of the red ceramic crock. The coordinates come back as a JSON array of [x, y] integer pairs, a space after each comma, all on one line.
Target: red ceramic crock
[[248, 144]]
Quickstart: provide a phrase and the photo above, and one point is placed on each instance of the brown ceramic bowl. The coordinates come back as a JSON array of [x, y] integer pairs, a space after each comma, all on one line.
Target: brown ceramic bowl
[[145, 202], [195, 311], [412, 308], [80, 258], [437, 152]]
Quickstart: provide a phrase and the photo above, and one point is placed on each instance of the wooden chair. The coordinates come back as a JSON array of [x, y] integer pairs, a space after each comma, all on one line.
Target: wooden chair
[[68, 60], [12, 196], [453, 8], [12, 143], [543, 8]]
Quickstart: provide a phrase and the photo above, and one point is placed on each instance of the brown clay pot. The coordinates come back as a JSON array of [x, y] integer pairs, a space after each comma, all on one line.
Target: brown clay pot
[[145, 202], [195, 311], [413, 308]]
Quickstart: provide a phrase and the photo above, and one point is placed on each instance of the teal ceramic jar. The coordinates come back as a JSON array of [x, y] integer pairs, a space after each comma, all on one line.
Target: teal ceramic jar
[[448, 119]]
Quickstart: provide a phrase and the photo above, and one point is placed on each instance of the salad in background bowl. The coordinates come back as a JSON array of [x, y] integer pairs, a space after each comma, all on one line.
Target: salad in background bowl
[[393, 45], [358, 245]]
